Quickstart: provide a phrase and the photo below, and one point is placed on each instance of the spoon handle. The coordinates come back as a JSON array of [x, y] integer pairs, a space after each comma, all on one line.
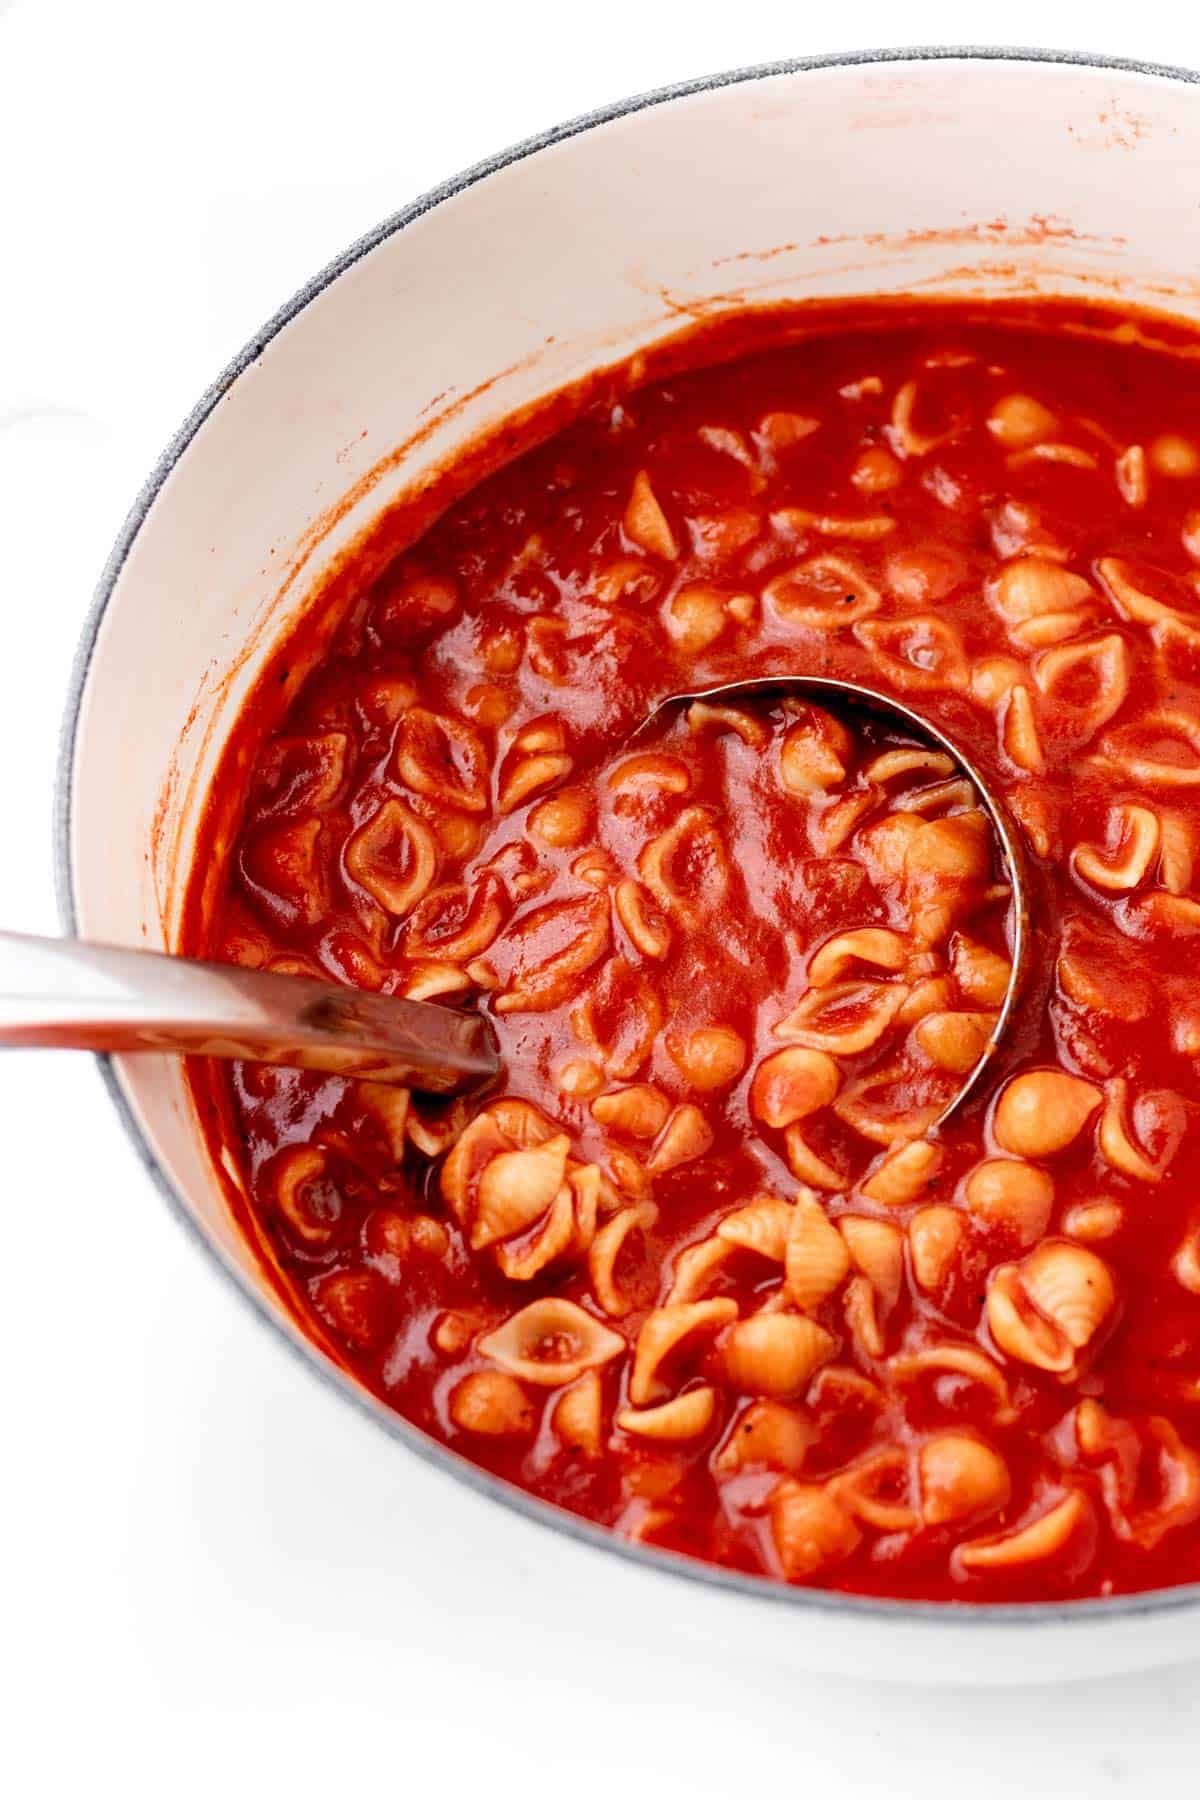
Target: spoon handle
[[59, 993]]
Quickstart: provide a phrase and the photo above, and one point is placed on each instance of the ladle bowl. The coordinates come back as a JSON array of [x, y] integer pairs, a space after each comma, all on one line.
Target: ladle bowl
[[851, 695]]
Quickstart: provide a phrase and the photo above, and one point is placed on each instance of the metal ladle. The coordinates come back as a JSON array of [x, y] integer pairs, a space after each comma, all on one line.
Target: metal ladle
[[63, 994], [853, 695], [67, 994]]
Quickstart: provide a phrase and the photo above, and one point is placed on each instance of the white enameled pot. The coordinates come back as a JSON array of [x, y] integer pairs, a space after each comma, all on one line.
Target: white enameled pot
[[939, 172]]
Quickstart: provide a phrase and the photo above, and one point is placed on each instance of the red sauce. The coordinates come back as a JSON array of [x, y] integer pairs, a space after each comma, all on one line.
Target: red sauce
[[965, 1366]]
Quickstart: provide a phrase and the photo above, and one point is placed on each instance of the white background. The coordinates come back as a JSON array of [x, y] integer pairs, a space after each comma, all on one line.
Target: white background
[[216, 1578]]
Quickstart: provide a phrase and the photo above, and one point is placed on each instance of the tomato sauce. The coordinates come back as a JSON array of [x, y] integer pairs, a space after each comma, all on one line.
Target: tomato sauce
[[703, 1268]]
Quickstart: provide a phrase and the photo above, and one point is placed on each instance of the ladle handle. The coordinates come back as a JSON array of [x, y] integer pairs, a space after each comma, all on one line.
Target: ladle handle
[[64, 994]]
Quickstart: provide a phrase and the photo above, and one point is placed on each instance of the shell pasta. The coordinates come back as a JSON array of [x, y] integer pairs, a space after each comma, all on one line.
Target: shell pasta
[[701, 1267]]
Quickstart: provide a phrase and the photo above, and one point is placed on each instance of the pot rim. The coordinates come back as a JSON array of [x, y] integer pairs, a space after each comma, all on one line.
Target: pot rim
[[964, 1614]]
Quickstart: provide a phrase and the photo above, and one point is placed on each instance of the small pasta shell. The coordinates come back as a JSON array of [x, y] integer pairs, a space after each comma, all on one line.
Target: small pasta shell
[[640, 1111], [876, 471], [1129, 599], [1175, 457], [861, 1308], [305, 1194], [871, 944], [457, 922], [955, 1359], [664, 1333], [1133, 481], [1018, 420], [580, 1078], [435, 1132], [1021, 1332], [877, 1251], [844, 1019], [954, 1041], [902, 434], [810, 1529], [696, 1267], [606, 1248], [817, 1260], [761, 1227], [578, 1416], [650, 772], [645, 522], [1176, 856], [807, 1166], [597, 868], [1070, 1286], [547, 982], [905, 1173], [1031, 585], [517, 1187], [522, 1260], [1116, 1141], [993, 679], [1100, 666], [1092, 1220], [443, 759], [686, 1416], [1178, 1476], [644, 924], [401, 1236], [868, 1490], [1161, 749], [1185, 1264], [774, 1354], [625, 578], [815, 753], [687, 1135], [769, 1435], [1165, 912], [529, 775], [520, 1122], [868, 1104], [692, 840], [428, 980], [728, 442], [710, 1057], [591, 1192], [1134, 833], [919, 651], [1015, 1195], [1043, 1111], [551, 1342], [892, 764], [1019, 738], [393, 857], [961, 1478], [982, 975], [561, 821], [628, 1173], [1042, 1538], [619, 1018], [452, 1332], [389, 1105], [489, 1403], [934, 1236], [702, 717], [823, 593], [799, 521], [792, 1084]]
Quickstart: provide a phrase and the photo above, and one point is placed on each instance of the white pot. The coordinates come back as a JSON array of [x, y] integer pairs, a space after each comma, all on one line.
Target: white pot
[[943, 172]]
